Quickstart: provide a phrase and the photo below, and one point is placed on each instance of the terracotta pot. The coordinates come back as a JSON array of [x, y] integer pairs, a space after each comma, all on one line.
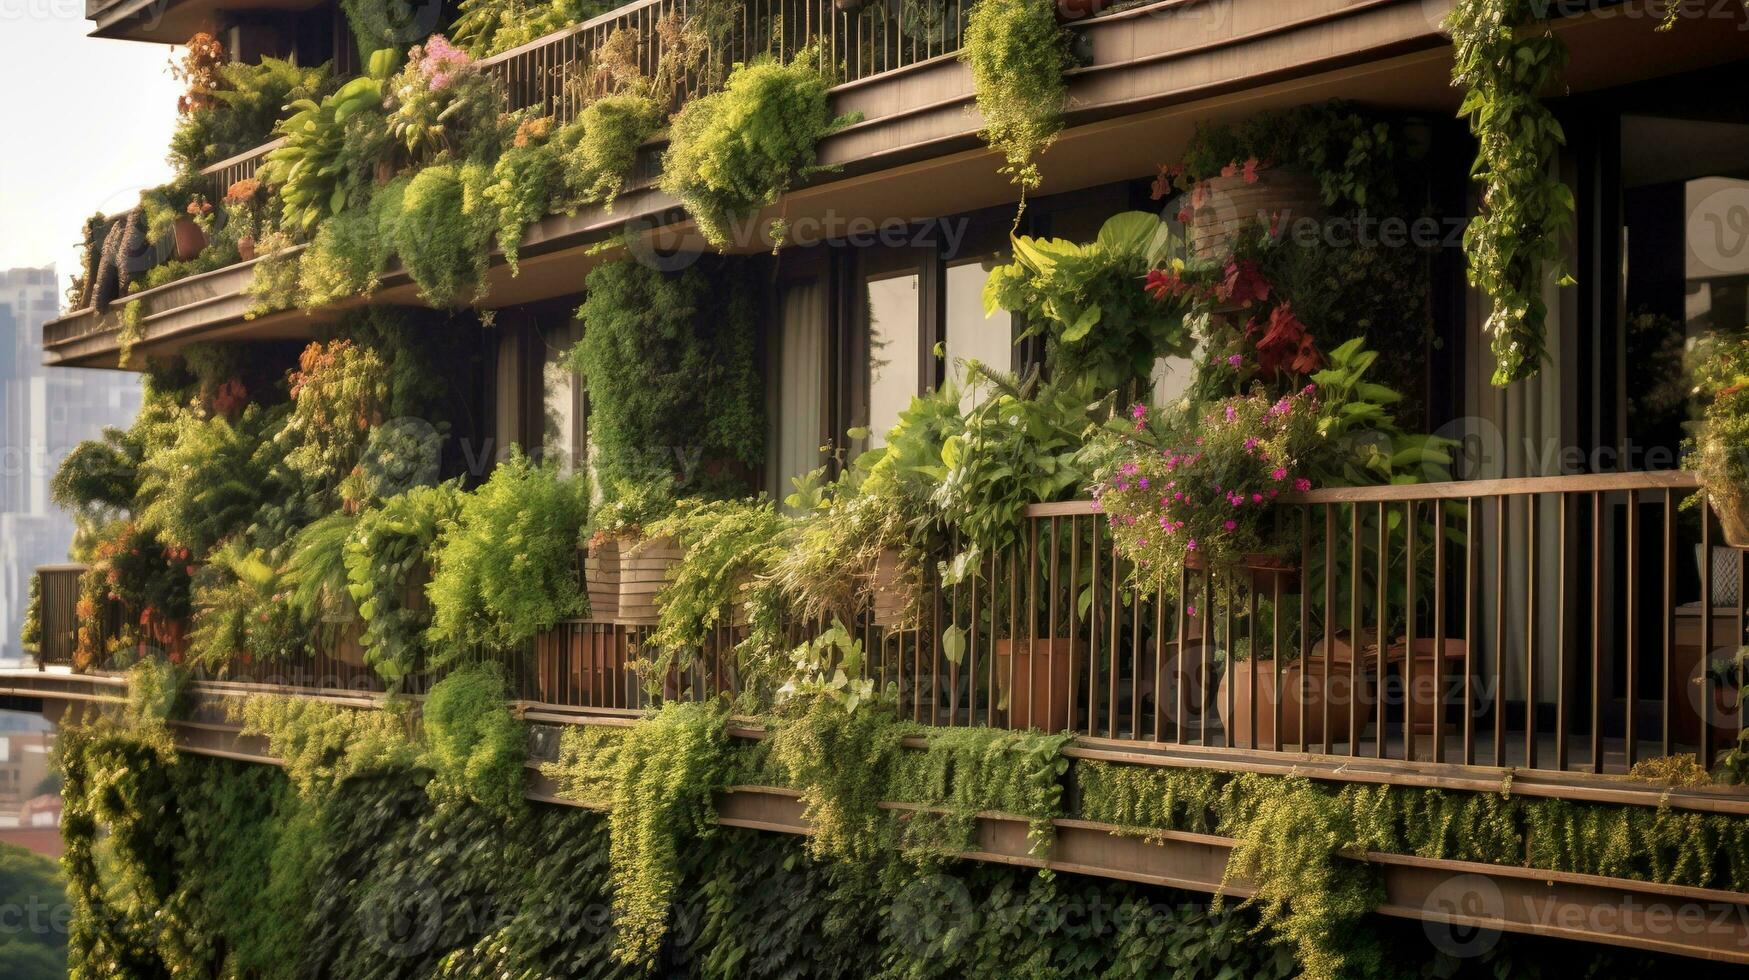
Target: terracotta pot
[[1044, 674], [601, 579], [889, 600], [1298, 687], [1265, 571], [1733, 510], [190, 240], [1229, 206], [643, 570], [246, 248], [1423, 696]]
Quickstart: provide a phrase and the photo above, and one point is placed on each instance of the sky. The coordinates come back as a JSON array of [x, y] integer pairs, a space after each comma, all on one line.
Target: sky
[[84, 127]]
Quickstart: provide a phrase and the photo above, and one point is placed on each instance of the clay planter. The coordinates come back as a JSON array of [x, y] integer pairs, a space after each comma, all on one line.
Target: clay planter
[[1689, 685], [601, 579], [190, 240], [1229, 205], [643, 571], [1073, 11], [1265, 572], [1422, 696], [1043, 674], [887, 608], [1299, 685]]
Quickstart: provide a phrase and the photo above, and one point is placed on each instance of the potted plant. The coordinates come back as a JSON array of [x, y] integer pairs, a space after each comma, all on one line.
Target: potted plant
[[1254, 687], [622, 570], [1716, 455], [1021, 445]]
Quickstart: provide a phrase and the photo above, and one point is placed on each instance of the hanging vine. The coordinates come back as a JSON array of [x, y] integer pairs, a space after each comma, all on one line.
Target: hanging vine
[[1507, 61]]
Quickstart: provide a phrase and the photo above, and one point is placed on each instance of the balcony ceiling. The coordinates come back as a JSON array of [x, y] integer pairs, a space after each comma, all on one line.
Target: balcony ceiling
[[172, 21], [916, 154]]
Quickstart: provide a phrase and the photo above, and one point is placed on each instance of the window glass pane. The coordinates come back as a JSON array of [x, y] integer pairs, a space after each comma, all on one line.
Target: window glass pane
[[1685, 207], [970, 334], [562, 433], [893, 352]]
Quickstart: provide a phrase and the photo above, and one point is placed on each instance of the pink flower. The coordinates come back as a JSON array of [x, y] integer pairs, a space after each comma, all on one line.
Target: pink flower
[[1191, 545], [1231, 413], [1231, 525], [1142, 543], [1142, 483], [1303, 485], [1257, 498], [1279, 474], [1235, 360], [1190, 610], [1139, 412]]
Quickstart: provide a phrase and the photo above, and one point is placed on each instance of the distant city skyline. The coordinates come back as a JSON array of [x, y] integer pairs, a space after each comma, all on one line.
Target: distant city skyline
[[88, 124], [43, 414]]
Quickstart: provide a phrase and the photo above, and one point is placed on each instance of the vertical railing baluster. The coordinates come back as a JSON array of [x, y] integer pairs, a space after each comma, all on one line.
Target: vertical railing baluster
[[1706, 635], [1633, 620], [1668, 621], [1532, 525], [1439, 700], [1502, 519], [1409, 597]]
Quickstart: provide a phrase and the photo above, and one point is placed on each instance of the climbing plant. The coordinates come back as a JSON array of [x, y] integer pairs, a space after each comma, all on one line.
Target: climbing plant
[[1018, 53]]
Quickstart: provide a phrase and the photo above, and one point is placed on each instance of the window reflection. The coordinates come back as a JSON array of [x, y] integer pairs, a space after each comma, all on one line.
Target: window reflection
[[970, 334], [893, 353]]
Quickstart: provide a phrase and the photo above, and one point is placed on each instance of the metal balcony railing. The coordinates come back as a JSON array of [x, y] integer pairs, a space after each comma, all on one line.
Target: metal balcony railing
[[1548, 624]]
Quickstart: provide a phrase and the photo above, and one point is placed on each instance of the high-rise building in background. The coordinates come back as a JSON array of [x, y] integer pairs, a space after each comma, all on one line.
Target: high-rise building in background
[[43, 414]]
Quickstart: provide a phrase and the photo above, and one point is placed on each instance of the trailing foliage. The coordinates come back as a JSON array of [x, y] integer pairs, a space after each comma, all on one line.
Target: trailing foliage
[[660, 777], [323, 745], [475, 745], [611, 129], [442, 236], [673, 377], [387, 557], [728, 545], [486, 27], [505, 566], [1506, 61], [1018, 54], [733, 152]]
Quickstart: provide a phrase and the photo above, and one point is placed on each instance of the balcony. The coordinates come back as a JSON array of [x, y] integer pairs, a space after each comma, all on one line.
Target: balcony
[[1557, 635], [1149, 74], [173, 21], [1544, 635]]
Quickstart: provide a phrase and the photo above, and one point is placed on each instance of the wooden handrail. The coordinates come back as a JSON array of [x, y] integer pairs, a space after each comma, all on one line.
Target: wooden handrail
[[1450, 490]]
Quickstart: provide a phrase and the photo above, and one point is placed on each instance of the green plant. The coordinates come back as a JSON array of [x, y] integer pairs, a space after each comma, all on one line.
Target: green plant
[[1018, 55], [442, 235], [387, 558], [733, 152], [243, 106], [673, 376], [99, 476], [524, 183], [474, 745], [1720, 374], [315, 576], [660, 778], [273, 285], [339, 393], [1506, 61], [30, 880], [1019, 447], [486, 27], [1354, 155], [1086, 300], [325, 165], [211, 480], [505, 567], [728, 545], [323, 745], [241, 611], [966, 771], [610, 131], [832, 737]]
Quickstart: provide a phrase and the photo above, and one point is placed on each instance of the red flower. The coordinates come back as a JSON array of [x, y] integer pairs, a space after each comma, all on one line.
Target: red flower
[[1244, 284], [1284, 344]]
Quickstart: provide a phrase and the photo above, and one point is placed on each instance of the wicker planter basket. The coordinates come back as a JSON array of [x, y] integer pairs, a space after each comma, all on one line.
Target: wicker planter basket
[[601, 579], [643, 571], [1229, 205]]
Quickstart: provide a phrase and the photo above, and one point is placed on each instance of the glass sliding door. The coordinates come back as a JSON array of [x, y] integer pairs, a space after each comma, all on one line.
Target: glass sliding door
[[894, 310]]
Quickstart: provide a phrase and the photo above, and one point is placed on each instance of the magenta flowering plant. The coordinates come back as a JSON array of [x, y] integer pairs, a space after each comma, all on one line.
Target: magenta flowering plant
[[442, 106], [1201, 489]]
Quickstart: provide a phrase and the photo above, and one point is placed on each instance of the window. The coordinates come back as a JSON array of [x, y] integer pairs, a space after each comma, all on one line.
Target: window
[[894, 354], [1685, 263], [970, 334]]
